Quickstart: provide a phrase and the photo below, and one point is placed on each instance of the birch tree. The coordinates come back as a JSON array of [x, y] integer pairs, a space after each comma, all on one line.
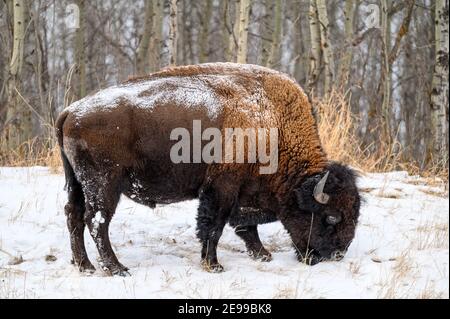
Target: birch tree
[[234, 32], [143, 48], [385, 84], [326, 46], [80, 53], [18, 118], [346, 60], [204, 43], [440, 92], [155, 43], [276, 37], [244, 12], [314, 60], [173, 32]]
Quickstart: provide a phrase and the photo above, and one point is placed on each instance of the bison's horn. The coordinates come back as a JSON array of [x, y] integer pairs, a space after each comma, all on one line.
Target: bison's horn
[[319, 195]]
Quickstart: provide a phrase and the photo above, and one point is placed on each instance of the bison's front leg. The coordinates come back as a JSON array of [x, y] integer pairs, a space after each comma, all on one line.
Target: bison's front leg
[[213, 213], [255, 248]]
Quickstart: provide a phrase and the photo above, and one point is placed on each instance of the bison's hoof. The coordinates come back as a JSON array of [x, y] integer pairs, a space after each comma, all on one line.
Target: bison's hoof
[[310, 260], [87, 269], [261, 255], [265, 258], [121, 273], [212, 267], [85, 266], [115, 270]]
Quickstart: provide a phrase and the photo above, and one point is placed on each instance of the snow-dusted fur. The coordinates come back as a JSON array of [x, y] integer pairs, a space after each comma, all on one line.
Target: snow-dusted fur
[[116, 141]]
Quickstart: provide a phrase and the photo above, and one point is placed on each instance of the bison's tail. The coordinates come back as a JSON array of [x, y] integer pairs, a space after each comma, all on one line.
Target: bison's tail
[[71, 181]]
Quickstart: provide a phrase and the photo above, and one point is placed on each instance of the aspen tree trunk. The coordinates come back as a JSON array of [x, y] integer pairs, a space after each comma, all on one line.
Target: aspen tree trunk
[[440, 92], [143, 48], [234, 36], [173, 31], [276, 37], [19, 36], [204, 44], [18, 118], [326, 45], [244, 12], [266, 32], [385, 105], [314, 61], [226, 28], [80, 54], [346, 61], [155, 42], [301, 42]]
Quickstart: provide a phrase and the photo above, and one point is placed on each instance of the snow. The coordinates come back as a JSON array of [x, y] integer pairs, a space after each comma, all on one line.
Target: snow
[[400, 249], [147, 94]]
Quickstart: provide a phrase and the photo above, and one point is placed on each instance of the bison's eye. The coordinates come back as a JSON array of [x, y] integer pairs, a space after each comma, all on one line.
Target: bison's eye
[[333, 220]]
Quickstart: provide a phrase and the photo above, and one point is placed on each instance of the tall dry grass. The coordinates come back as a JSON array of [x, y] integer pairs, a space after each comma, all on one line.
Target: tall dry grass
[[38, 151], [337, 127]]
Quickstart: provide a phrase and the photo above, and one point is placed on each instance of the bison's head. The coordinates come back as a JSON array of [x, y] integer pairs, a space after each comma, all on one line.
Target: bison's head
[[326, 214]]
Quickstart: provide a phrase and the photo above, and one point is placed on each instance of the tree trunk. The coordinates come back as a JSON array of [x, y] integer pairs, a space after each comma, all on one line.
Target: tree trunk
[[440, 91], [155, 43], [225, 9], [276, 36], [386, 39], [19, 36], [314, 61], [204, 43], [234, 35], [346, 61], [18, 117], [143, 48], [173, 33], [244, 12], [326, 46], [80, 54]]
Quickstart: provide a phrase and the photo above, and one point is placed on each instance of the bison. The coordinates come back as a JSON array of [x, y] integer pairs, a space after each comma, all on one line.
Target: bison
[[116, 141]]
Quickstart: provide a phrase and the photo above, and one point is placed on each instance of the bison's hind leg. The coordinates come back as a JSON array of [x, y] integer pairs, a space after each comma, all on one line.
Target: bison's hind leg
[[75, 210], [255, 249], [102, 190]]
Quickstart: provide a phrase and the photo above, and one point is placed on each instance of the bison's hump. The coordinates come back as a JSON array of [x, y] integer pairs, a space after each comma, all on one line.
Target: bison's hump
[[146, 94]]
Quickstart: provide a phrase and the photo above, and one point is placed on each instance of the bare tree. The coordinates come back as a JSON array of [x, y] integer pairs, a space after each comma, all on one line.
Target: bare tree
[[143, 48], [234, 30], [326, 46], [205, 20], [80, 53], [276, 37], [173, 31], [244, 12], [346, 60], [18, 117], [439, 92], [155, 43], [315, 61]]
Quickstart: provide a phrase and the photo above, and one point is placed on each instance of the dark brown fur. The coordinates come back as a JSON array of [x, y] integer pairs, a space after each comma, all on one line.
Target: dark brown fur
[[125, 150]]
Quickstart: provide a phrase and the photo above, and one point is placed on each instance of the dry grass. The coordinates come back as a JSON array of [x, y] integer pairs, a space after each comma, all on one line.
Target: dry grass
[[432, 235], [34, 152], [337, 128], [400, 280]]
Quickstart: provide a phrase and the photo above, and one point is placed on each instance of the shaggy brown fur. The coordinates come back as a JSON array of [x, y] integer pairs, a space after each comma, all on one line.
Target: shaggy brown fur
[[109, 150]]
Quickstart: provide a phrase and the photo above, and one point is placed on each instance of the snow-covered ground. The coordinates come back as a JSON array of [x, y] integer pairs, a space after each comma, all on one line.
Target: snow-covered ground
[[400, 249]]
